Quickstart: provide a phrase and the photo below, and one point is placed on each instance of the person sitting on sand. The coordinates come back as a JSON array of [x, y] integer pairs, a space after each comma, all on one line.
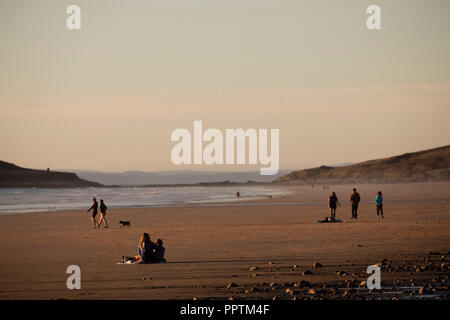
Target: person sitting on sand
[[94, 209], [332, 202], [355, 199], [103, 209], [379, 203], [146, 250], [159, 251]]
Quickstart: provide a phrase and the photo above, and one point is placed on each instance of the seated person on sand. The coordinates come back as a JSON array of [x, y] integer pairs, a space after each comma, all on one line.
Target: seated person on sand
[[159, 251], [146, 250]]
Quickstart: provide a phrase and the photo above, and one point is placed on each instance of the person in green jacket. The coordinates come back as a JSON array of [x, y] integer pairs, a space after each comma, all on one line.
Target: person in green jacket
[[379, 203]]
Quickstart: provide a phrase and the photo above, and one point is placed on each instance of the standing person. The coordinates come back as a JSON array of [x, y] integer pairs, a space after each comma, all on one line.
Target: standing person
[[94, 209], [355, 199], [103, 209], [379, 203], [332, 202]]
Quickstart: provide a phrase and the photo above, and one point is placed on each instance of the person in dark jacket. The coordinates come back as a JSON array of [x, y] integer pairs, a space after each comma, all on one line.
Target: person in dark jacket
[[355, 199], [159, 251], [332, 203], [94, 209], [103, 209]]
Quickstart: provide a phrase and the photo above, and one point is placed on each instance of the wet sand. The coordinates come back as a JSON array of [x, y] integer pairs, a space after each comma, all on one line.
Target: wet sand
[[263, 250]]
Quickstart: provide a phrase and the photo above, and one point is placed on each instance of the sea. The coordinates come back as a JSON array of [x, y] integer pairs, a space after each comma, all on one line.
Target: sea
[[15, 201]]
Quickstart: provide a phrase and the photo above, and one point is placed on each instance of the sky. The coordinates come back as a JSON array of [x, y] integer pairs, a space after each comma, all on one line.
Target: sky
[[108, 96]]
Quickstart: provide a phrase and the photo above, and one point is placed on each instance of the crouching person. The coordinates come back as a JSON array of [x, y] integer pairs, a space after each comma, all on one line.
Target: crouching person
[[159, 251]]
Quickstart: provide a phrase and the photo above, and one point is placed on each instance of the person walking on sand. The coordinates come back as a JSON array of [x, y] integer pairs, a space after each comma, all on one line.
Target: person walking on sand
[[94, 209], [355, 199], [332, 202], [103, 209], [379, 203]]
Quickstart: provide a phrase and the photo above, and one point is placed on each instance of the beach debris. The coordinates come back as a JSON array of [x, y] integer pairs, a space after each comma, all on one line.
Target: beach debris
[[303, 284], [253, 268], [307, 272], [231, 285], [317, 265]]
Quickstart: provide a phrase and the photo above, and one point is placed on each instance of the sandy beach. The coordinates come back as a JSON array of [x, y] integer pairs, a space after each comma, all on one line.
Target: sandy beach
[[261, 248]]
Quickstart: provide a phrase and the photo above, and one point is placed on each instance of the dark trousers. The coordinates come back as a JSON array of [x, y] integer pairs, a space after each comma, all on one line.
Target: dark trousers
[[379, 209], [355, 211]]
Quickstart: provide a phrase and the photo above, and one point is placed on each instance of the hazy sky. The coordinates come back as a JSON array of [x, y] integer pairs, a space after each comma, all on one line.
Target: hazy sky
[[108, 96]]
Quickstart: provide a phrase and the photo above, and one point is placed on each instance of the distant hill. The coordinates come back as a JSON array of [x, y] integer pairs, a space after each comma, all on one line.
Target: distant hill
[[428, 165], [140, 178], [12, 176]]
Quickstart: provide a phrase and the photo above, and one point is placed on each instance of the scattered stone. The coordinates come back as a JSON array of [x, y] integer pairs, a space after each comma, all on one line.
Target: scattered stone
[[303, 284], [194, 298], [307, 272], [231, 285], [254, 275], [273, 284], [317, 265], [312, 291], [289, 291], [341, 273], [230, 298], [363, 284], [253, 268]]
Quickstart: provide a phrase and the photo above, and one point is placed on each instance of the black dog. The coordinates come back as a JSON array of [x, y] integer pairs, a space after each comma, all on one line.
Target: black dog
[[125, 223]]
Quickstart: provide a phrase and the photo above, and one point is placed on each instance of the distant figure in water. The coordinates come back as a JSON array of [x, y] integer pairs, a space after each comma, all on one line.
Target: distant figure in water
[[94, 209], [332, 202], [379, 203], [355, 199], [103, 209], [238, 195]]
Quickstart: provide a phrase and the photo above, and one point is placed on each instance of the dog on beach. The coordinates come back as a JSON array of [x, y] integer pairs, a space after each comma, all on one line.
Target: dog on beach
[[125, 223]]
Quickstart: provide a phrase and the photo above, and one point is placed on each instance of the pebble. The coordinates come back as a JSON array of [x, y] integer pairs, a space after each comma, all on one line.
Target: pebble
[[317, 265], [289, 291]]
